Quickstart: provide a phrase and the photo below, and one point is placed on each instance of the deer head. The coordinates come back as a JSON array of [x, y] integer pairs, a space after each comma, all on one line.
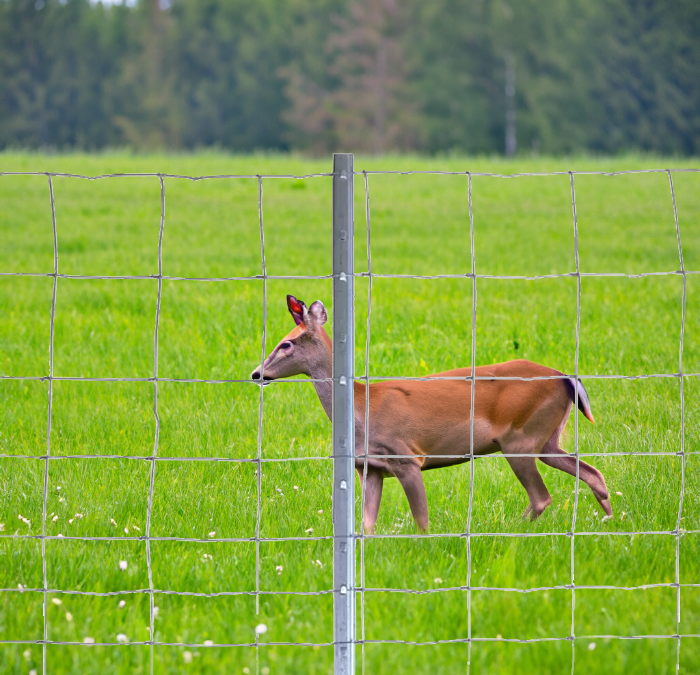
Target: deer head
[[304, 351]]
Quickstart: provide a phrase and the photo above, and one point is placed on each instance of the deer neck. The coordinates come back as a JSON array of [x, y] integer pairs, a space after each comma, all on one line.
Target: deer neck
[[324, 389], [323, 370]]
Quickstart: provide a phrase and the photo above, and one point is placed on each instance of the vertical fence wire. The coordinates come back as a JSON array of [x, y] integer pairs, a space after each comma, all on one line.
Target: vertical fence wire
[[471, 427], [45, 610], [258, 471], [575, 408], [681, 378], [151, 484], [366, 437]]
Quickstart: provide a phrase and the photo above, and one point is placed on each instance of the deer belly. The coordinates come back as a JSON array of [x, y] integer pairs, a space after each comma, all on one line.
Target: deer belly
[[453, 445]]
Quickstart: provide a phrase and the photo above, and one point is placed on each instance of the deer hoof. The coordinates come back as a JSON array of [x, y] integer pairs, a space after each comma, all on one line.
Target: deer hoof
[[534, 511], [605, 503]]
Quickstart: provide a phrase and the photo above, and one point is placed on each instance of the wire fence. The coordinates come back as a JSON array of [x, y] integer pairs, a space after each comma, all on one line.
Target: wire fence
[[360, 536]]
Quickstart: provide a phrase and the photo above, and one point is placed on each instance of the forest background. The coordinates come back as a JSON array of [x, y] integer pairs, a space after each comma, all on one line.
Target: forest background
[[376, 76]]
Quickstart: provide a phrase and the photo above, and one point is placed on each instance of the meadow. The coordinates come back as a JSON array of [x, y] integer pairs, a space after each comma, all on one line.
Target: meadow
[[204, 519]]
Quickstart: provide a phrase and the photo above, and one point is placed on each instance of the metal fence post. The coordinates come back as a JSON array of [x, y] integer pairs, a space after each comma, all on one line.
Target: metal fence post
[[343, 416]]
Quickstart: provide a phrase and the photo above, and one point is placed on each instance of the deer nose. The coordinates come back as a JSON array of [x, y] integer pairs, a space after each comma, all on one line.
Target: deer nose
[[255, 375]]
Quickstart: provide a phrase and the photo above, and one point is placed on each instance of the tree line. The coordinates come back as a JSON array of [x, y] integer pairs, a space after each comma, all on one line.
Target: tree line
[[355, 75]]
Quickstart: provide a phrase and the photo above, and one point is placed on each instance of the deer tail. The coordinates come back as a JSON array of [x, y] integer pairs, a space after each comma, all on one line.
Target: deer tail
[[584, 404]]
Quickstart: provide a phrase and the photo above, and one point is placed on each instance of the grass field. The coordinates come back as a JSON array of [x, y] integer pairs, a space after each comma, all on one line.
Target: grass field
[[212, 330]]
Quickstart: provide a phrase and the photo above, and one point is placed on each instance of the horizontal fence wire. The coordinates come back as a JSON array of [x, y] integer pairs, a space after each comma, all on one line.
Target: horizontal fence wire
[[359, 587], [593, 533], [363, 172], [202, 645], [259, 460], [296, 277]]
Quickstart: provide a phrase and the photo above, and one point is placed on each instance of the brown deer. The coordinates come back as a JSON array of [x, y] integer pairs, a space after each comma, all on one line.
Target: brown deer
[[415, 425]]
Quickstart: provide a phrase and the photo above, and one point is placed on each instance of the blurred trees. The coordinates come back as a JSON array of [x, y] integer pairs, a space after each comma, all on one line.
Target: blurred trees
[[363, 100], [354, 75]]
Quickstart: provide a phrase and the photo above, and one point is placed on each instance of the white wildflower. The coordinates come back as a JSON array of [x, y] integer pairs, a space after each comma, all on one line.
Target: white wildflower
[[55, 518], [123, 565], [320, 511], [437, 580], [309, 531], [69, 616], [122, 604], [264, 671], [279, 569], [89, 640], [619, 494], [317, 562], [70, 522], [114, 522], [208, 643], [126, 530], [137, 528], [61, 499], [260, 629], [591, 646], [187, 656], [212, 534], [33, 671], [27, 654], [122, 639], [155, 611], [56, 601], [296, 487]]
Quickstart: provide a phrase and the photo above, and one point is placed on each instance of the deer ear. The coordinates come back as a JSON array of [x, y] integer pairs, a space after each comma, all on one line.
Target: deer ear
[[318, 312], [297, 309]]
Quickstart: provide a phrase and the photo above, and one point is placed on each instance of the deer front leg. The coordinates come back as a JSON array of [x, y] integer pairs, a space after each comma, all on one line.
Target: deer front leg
[[411, 478], [372, 496], [525, 468]]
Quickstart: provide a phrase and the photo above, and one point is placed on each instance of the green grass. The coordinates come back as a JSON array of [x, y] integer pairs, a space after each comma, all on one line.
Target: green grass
[[213, 330]]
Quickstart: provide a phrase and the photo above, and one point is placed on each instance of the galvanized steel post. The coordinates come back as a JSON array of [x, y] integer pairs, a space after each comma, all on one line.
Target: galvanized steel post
[[343, 416]]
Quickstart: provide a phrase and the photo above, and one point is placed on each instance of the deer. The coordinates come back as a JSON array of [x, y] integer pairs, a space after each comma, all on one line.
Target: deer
[[423, 424]]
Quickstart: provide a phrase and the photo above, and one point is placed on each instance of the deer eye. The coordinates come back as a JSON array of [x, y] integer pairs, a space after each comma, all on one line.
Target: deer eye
[[286, 345]]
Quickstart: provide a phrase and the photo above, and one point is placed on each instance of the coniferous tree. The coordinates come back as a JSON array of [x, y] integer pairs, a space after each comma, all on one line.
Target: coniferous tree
[[368, 106]]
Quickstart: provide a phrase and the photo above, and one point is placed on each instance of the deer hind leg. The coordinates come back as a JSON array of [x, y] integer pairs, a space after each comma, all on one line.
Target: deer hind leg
[[373, 497], [587, 473], [525, 468]]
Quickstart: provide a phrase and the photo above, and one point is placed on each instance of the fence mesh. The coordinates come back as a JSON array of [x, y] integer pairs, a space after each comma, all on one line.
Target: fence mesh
[[259, 460]]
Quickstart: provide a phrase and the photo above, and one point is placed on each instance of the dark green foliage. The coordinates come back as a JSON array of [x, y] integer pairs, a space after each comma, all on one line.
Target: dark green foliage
[[365, 75]]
